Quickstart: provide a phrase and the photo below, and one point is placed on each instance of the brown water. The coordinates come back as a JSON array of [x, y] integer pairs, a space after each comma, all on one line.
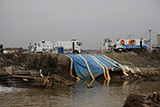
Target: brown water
[[112, 95]]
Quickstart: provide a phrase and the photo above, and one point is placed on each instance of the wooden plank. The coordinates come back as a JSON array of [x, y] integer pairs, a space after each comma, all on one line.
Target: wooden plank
[[27, 77]]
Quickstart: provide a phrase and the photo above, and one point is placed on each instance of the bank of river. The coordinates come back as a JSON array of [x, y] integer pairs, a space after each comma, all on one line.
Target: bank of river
[[112, 95], [52, 72]]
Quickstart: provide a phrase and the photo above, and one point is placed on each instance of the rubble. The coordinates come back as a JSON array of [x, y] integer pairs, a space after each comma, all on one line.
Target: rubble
[[136, 100]]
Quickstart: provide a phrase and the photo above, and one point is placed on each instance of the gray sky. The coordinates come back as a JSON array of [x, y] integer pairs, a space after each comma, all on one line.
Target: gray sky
[[89, 21]]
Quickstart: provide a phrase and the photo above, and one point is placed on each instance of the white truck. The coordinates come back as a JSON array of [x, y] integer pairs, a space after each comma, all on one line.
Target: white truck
[[107, 46], [72, 46], [124, 45], [131, 45]]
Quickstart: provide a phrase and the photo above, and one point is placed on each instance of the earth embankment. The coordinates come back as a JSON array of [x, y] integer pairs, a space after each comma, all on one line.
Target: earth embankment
[[145, 59], [56, 67]]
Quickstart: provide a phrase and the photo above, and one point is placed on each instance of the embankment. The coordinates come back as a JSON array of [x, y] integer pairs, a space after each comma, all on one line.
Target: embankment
[[36, 69], [147, 62], [46, 70]]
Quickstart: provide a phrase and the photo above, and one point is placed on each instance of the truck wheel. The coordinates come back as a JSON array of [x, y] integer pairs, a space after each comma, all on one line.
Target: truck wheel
[[119, 50], [76, 52], [1, 51], [144, 49]]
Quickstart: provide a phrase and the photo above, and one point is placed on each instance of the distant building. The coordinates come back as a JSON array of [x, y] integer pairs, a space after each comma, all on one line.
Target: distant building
[[157, 46]]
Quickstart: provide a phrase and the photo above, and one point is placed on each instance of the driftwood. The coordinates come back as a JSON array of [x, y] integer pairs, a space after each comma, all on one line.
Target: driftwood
[[154, 97], [46, 81]]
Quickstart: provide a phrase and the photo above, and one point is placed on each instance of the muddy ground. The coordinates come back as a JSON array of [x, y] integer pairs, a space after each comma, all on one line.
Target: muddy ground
[[49, 70], [55, 68], [140, 59], [40, 70], [146, 62], [53, 63]]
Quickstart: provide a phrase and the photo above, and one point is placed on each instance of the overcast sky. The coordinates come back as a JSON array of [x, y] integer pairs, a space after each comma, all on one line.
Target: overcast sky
[[89, 21]]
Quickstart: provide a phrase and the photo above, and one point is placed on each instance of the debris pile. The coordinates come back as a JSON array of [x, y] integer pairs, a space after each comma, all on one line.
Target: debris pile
[[136, 100], [42, 70]]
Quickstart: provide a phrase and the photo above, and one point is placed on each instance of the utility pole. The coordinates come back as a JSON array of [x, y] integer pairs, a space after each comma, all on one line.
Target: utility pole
[[150, 45], [130, 36]]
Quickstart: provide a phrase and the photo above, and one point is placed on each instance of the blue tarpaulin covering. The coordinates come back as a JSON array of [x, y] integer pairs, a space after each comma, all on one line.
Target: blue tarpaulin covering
[[95, 64]]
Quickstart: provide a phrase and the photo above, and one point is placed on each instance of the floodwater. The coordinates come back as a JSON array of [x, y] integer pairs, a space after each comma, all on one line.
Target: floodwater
[[101, 95]]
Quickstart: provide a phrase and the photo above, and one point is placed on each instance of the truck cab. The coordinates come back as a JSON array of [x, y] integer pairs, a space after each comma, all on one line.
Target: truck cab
[[72, 46], [76, 46], [107, 46]]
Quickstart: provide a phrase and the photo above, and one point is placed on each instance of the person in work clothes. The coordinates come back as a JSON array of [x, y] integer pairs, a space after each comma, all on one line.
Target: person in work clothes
[[1, 48]]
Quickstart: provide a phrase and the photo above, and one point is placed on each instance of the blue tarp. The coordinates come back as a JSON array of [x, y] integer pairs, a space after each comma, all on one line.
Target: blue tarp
[[96, 69], [111, 61]]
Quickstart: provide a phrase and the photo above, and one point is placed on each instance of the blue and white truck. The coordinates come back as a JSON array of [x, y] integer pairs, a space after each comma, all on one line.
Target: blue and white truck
[[124, 45]]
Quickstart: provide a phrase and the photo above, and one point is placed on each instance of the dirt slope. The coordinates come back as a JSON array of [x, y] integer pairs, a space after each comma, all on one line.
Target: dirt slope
[[135, 60]]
